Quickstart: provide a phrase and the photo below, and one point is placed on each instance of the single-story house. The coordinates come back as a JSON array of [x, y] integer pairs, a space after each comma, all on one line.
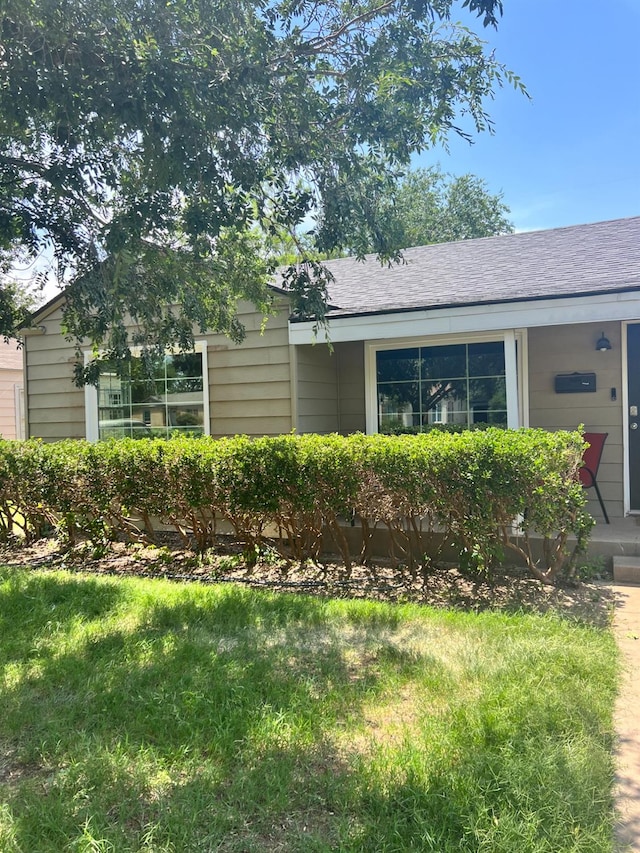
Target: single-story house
[[11, 391], [536, 329]]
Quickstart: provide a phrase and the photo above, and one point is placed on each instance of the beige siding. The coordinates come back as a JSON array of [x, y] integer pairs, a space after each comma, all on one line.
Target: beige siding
[[330, 388], [55, 407], [317, 389], [10, 378], [249, 384], [572, 348], [351, 390]]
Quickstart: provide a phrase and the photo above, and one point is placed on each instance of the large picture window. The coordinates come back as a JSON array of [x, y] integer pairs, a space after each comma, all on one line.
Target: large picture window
[[461, 384], [157, 397]]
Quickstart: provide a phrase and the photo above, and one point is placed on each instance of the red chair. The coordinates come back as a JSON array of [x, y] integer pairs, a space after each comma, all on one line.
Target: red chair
[[591, 462]]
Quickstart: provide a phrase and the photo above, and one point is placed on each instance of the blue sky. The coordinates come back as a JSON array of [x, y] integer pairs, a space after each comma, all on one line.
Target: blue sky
[[571, 154]]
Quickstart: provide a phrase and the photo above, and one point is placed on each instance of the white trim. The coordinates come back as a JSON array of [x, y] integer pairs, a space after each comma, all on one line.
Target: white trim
[[201, 347], [25, 391], [626, 472], [90, 405], [293, 382], [475, 319], [517, 405], [370, 388], [522, 337], [18, 399], [91, 394], [511, 379]]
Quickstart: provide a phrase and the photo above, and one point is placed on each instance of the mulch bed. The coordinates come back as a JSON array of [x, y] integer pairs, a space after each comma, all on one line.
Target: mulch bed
[[507, 589]]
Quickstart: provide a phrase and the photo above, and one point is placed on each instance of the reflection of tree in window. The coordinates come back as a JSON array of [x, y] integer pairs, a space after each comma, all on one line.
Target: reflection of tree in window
[[398, 365], [142, 375], [458, 383], [158, 394], [184, 364], [486, 396], [188, 418], [443, 369], [436, 393]]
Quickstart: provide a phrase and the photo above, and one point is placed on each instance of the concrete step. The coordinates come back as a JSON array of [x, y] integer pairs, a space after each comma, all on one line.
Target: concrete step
[[626, 569]]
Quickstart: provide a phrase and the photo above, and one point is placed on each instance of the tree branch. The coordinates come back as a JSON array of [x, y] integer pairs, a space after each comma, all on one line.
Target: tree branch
[[320, 43], [43, 172]]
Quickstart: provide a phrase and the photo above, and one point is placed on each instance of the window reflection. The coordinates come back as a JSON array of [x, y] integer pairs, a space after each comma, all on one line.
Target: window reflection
[[461, 384], [155, 398]]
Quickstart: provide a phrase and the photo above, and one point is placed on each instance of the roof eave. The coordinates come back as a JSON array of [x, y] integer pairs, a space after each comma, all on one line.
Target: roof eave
[[345, 314]]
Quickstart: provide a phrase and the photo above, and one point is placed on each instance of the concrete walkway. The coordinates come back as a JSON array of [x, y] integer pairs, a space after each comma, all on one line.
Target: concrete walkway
[[627, 717]]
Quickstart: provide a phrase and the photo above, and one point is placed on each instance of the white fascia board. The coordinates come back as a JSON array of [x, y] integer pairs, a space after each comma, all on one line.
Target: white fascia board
[[475, 318]]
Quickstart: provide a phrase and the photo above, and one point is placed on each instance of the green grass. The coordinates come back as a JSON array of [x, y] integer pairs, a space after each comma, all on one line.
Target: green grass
[[149, 716]]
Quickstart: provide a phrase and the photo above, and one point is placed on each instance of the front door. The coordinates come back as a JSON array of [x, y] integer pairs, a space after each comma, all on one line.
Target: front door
[[633, 373]]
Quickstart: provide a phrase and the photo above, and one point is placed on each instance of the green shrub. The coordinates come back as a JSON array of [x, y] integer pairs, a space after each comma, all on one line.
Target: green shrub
[[483, 492]]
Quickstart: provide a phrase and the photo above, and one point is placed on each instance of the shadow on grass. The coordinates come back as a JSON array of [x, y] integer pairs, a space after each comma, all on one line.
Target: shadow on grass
[[33, 606], [492, 799], [206, 719], [188, 720]]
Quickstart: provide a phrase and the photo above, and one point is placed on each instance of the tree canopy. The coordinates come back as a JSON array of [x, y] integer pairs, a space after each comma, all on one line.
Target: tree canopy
[[432, 207], [423, 206], [149, 145]]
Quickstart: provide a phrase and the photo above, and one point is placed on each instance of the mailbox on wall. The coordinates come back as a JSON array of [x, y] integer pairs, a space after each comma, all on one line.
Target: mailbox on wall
[[575, 383]]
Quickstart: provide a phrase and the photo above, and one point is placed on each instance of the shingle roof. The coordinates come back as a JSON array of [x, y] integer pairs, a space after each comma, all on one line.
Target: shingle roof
[[576, 260]]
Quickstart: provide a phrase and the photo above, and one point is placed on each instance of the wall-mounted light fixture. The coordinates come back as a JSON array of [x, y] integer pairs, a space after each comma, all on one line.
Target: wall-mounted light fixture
[[603, 343]]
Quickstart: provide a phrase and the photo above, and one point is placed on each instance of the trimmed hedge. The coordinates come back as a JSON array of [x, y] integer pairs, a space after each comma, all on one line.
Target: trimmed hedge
[[293, 491]]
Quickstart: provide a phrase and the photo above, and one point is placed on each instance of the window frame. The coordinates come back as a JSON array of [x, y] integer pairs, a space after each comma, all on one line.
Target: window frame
[[92, 428], [515, 368]]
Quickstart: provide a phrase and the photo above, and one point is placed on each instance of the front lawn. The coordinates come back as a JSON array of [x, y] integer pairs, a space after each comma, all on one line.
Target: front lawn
[[145, 715]]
